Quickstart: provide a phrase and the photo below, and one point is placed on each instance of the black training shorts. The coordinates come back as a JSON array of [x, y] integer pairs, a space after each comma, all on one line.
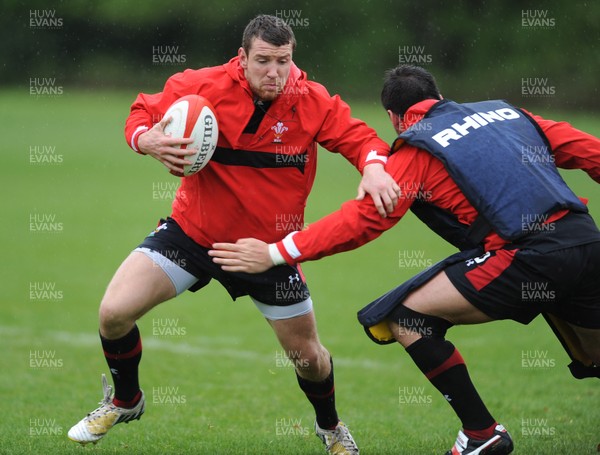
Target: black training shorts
[[558, 272], [281, 286]]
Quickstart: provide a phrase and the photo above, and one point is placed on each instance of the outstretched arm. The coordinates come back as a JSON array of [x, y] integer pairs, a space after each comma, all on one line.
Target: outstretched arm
[[355, 224]]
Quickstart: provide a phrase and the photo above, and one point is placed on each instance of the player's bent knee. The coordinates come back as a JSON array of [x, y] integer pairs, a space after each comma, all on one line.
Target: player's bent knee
[[308, 358], [406, 322], [306, 353], [313, 364], [114, 322]]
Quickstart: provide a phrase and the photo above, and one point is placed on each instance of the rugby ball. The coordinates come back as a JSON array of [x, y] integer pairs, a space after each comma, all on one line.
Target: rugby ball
[[192, 116]]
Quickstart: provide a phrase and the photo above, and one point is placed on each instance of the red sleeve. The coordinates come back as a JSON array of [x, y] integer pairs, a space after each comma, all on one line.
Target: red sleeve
[[351, 137], [148, 109], [356, 222], [573, 149], [353, 225]]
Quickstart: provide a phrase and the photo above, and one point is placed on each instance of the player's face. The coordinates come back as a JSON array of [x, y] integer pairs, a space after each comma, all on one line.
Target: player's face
[[266, 68]]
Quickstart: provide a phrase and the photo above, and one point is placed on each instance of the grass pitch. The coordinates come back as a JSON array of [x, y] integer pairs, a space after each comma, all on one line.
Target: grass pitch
[[216, 383]]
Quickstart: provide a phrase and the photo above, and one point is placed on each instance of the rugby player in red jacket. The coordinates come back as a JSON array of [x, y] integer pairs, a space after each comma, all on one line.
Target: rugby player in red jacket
[[271, 118], [484, 282]]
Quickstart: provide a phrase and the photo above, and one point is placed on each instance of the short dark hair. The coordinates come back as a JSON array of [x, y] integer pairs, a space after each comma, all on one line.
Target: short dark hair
[[273, 30], [406, 85]]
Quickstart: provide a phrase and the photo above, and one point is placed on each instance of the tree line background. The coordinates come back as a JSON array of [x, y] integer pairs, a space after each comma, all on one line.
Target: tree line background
[[476, 49]]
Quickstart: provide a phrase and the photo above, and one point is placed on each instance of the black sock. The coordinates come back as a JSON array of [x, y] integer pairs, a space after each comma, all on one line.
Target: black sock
[[322, 397], [445, 368], [123, 357]]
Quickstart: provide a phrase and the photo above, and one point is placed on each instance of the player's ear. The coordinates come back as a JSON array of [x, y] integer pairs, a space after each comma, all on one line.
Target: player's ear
[[243, 58], [396, 121]]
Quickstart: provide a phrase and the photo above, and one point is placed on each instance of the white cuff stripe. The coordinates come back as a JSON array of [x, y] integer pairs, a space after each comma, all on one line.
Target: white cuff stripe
[[138, 130], [276, 256], [374, 156], [290, 246]]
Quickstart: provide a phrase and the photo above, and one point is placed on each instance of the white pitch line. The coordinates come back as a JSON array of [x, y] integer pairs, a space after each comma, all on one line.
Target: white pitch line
[[198, 346]]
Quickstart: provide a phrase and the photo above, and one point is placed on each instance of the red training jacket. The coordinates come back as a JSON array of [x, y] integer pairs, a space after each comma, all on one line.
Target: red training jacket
[[259, 184], [418, 171]]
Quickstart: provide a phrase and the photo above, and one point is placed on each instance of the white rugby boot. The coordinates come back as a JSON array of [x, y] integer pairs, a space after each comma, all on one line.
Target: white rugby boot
[[96, 424], [338, 441]]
